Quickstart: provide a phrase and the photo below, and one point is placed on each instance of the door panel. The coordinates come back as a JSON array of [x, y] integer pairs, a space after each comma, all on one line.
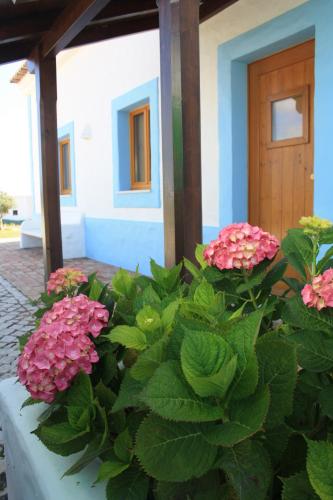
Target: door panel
[[281, 89]]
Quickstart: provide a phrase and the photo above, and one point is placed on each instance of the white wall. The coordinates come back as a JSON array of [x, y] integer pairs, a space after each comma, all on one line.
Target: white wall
[[91, 76], [23, 205]]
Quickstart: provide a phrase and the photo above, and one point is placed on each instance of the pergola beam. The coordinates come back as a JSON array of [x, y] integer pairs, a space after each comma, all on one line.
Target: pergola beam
[[72, 20], [10, 52], [106, 31]]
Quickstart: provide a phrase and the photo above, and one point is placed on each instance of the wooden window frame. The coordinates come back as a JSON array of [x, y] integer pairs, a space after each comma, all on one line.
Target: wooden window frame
[[145, 110], [61, 143], [302, 92]]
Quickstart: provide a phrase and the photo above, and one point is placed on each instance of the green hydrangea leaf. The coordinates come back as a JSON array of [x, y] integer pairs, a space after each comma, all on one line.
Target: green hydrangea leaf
[[168, 279], [297, 247], [314, 350], [169, 314], [249, 470], [128, 336], [149, 361], [123, 446], [78, 417], [192, 269], [278, 369], [95, 447], [326, 401], [150, 297], [199, 251], [208, 363], [124, 284], [275, 274], [276, 441], [173, 451], [30, 401], [296, 313], [58, 433], [148, 319], [242, 337], [319, 467], [246, 418], [128, 393], [110, 469], [207, 487], [96, 289], [105, 396], [298, 487], [132, 484], [168, 395], [204, 294], [81, 392]]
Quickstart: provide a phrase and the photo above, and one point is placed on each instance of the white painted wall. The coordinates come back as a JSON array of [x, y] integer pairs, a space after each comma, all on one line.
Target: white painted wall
[[23, 206], [91, 76]]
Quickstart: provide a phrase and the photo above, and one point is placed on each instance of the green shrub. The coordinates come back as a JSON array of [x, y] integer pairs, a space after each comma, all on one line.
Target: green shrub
[[211, 388]]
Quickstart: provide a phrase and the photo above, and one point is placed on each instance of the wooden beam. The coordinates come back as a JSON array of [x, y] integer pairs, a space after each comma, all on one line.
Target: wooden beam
[[180, 103], [74, 18], [25, 27], [106, 31], [120, 9], [46, 91], [10, 52]]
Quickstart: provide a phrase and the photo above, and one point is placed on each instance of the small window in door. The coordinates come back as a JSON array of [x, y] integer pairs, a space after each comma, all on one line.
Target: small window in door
[[288, 118], [65, 167], [140, 148]]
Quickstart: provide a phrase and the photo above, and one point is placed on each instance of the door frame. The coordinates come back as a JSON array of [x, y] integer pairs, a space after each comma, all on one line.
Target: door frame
[[291, 28], [276, 61]]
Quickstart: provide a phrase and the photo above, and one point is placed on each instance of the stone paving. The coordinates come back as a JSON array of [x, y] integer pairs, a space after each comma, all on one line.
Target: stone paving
[[23, 268], [15, 320]]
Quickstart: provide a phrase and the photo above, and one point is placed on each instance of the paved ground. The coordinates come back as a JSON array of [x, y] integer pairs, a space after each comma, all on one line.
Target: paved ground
[[23, 268], [15, 319]]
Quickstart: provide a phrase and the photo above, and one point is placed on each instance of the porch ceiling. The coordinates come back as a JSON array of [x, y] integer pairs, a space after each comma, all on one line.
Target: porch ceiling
[[25, 23]]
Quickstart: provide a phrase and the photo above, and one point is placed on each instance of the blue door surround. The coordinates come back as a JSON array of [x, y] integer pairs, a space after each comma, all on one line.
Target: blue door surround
[[311, 20]]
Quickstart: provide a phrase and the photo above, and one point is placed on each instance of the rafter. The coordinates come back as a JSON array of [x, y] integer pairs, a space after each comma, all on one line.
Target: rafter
[[73, 19], [106, 31]]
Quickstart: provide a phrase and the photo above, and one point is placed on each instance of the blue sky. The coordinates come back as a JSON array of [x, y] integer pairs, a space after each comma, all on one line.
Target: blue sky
[[14, 135]]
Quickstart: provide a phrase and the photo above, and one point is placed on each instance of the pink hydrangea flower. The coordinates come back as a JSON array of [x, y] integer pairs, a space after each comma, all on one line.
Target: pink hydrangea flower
[[61, 347], [241, 246], [319, 293], [64, 279], [77, 314]]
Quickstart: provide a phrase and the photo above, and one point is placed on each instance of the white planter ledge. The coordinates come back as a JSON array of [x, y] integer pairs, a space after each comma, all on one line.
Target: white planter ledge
[[33, 472]]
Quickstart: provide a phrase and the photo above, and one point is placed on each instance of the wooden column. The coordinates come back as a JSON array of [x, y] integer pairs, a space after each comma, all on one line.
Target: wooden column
[[46, 90], [181, 150]]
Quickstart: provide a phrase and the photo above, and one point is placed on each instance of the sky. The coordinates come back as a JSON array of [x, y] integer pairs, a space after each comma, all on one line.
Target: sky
[[15, 166]]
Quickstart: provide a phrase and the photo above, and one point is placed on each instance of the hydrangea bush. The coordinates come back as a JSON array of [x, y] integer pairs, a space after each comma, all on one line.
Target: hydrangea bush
[[208, 381]]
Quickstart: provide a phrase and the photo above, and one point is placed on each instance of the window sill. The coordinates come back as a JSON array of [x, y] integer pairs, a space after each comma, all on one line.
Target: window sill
[[134, 191]]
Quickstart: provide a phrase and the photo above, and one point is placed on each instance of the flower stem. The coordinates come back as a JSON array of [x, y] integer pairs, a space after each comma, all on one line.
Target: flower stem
[[249, 291]]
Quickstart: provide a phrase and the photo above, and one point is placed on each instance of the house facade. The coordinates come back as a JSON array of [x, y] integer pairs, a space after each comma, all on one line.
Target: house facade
[[266, 103]]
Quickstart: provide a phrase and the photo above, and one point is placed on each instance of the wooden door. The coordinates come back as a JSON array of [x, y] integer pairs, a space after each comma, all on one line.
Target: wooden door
[[281, 89]]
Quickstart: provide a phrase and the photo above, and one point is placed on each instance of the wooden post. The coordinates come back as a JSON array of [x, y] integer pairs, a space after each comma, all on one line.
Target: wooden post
[[181, 150], [46, 90]]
